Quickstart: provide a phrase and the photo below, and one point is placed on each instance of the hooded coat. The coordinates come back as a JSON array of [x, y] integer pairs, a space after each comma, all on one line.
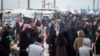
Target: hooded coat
[[85, 50]]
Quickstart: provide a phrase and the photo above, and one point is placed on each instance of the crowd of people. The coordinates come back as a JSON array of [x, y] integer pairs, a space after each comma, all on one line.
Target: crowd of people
[[14, 41], [74, 35], [70, 35]]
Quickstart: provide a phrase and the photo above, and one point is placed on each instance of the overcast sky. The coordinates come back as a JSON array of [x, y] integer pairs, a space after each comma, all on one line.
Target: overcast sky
[[60, 4]]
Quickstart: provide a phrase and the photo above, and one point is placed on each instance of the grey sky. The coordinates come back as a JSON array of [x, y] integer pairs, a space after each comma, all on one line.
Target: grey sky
[[61, 4]]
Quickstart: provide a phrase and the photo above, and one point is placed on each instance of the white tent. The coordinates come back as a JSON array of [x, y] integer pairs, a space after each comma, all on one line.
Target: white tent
[[6, 11], [91, 12], [27, 15], [24, 12], [20, 11]]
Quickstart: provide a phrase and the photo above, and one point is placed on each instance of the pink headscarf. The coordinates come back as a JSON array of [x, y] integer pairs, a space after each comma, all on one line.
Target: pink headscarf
[[26, 26]]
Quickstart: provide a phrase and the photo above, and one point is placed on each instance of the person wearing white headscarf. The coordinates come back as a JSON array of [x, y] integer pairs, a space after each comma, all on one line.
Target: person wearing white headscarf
[[86, 48]]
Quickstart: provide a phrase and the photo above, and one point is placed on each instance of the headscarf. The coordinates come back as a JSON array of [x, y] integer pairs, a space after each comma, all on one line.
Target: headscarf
[[87, 42], [25, 26]]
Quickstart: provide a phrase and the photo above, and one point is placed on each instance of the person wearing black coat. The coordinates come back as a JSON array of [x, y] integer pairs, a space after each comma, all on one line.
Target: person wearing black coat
[[61, 44], [51, 41], [70, 35], [27, 37], [33, 34], [24, 43], [97, 42], [5, 42]]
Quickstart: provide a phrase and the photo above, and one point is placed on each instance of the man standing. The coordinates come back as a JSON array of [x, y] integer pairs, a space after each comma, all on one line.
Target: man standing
[[97, 43], [36, 48]]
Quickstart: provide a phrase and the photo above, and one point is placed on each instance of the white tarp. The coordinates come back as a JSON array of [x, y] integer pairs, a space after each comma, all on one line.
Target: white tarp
[[48, 13], [28, 15], [24, 12], [91, 12]]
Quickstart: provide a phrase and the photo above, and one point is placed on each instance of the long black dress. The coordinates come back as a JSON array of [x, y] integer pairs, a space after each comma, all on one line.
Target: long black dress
[[24, 42], [5, 44]]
